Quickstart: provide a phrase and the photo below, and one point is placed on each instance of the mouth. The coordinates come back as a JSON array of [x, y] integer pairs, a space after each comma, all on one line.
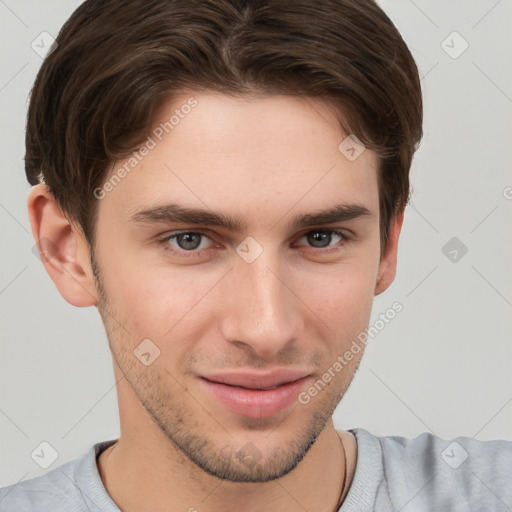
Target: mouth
[[255, 396]]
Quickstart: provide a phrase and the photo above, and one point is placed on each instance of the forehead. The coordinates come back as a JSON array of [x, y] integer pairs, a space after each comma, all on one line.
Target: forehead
[[245, 155]]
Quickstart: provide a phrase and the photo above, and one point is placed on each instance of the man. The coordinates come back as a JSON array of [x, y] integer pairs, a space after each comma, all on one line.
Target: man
[[225, 181]]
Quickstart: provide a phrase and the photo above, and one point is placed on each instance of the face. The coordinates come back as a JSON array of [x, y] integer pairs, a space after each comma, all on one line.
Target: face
[[221, 328]]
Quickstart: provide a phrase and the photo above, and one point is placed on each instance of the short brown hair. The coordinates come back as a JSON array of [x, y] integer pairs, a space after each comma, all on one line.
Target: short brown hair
[[97, 94]]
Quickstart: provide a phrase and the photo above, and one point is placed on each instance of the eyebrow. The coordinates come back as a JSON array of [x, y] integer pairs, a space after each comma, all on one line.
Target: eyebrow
[[173, 212]]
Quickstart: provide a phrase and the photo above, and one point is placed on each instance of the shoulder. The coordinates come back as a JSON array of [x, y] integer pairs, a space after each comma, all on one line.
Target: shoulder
[[457, 474], [63, 489], [52, 491]]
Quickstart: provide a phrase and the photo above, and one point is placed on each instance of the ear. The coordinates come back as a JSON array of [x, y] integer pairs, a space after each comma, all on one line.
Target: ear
[[63, 248], [387, 266]]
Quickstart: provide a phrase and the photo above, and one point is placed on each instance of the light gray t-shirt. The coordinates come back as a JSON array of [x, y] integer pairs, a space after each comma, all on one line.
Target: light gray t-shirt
[[393, 473]]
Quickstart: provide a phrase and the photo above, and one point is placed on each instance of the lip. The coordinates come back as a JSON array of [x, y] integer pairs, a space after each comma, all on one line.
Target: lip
[[259, 381], [255, 395]]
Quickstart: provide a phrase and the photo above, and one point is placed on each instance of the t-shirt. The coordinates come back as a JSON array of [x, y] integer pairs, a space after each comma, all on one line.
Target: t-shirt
[[392, 473]]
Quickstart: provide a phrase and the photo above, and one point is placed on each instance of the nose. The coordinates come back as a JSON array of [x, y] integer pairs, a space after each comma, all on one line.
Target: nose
[[261, 310]]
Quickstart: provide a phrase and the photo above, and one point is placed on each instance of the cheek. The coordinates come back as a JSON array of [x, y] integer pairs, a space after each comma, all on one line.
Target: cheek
[[342, 296], [161, 303]]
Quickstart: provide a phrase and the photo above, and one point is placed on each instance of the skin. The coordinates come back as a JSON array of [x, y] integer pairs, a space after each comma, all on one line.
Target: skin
[[263, 159]]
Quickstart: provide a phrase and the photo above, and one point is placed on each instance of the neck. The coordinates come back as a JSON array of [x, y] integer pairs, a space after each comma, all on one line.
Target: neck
[[151, 473]]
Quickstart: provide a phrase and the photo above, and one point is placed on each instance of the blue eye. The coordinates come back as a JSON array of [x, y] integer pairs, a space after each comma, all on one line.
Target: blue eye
[[187, 241], [324, 237], [190, 243]]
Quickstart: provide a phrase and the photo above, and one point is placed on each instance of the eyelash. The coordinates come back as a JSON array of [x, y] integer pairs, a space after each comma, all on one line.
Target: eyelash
[[164, 242]]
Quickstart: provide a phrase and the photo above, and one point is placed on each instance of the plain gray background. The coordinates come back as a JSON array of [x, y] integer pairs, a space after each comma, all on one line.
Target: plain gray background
[[442, 365]]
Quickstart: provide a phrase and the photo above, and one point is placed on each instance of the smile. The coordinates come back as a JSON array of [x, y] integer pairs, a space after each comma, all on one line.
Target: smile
[[246, 397]]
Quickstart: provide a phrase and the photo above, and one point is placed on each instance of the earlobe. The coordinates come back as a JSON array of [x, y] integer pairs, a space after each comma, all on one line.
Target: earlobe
[[387, 266], [62, 248]]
